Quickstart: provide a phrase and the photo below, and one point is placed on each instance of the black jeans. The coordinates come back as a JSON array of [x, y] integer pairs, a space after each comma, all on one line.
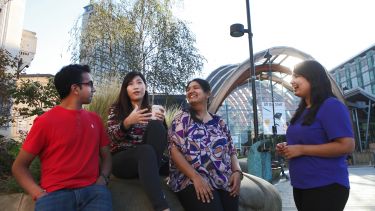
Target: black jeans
[[222, 200], [326, 198], [143, 161]]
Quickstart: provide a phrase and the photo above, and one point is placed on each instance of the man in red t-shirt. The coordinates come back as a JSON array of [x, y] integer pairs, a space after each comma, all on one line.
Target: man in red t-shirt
[[72, 146]]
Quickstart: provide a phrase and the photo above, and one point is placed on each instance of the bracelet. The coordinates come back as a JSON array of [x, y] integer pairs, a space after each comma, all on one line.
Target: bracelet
[[239, 171]]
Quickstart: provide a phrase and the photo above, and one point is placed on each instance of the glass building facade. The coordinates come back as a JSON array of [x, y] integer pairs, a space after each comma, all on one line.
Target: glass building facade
[[358, 71], [356, 77]]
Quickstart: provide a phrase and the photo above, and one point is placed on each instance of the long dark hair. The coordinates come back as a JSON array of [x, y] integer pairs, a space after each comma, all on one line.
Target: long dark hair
[[321, 89], [206, 89], [123, 103]]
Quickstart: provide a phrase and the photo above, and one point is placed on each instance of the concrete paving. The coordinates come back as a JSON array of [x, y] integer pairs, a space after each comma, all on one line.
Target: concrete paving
[[362, 190]]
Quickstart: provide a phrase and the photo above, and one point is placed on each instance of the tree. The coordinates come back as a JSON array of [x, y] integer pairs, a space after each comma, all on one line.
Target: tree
[[102, 41], [7, 85], [139, 36], [34, 98]]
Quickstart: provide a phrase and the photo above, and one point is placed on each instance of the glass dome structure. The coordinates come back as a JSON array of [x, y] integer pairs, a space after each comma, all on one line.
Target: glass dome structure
[[231, 95]]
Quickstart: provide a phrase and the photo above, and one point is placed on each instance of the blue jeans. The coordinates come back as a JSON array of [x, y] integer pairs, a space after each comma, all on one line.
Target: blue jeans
[[90, 198]]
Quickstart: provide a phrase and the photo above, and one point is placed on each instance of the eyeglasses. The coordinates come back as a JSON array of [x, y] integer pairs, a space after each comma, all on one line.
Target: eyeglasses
[[90, 83]]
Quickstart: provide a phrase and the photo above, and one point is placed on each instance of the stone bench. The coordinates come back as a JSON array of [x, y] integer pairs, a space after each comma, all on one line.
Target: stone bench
[[255, 194], [128, 195]]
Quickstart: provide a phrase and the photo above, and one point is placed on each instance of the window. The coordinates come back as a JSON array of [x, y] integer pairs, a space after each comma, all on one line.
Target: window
[[363, 62], [358, 70], [366, 78], [368, 88], [349, 84], [342, 76], [360, 81], [337, 77], [352, 71], [354, 82], [347, 72], [369, 62], [372, 76]]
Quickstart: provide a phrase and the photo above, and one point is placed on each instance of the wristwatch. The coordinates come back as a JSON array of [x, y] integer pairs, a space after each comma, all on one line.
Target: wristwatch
[[41, 192], [106, 178], [240, 172]]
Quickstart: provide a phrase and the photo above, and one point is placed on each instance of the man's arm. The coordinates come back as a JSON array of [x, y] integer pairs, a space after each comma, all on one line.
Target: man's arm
[[21, 172], [105, 165]]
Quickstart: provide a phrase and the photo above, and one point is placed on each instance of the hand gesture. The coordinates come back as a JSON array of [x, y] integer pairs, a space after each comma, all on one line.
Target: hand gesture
[[235, 183], [140, 116], [203, 189], [292, 151], [280, 147]]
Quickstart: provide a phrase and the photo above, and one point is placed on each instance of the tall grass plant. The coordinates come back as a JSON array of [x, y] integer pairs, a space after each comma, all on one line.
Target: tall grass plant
[[104, 97]]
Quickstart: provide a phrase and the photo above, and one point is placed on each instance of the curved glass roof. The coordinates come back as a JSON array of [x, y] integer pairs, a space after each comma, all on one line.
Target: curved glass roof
[[226, 78], [231, 88]]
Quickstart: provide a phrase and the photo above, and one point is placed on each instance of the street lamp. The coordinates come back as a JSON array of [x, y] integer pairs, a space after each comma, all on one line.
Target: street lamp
[[238, 30], [268, 57]]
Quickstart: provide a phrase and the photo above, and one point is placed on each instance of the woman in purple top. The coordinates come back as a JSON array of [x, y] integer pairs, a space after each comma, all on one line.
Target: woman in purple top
[[137, 142], [319, 138], [204, 170]]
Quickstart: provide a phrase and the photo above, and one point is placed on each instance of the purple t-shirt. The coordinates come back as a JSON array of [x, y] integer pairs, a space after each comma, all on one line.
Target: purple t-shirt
[[332, 121]]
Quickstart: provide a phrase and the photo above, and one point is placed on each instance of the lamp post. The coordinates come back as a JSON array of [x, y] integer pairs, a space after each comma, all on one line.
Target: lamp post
[[237, 30], [268, 56]]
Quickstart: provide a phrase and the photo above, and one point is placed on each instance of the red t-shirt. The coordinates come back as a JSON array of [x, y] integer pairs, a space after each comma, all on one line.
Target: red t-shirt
[[67, 143]]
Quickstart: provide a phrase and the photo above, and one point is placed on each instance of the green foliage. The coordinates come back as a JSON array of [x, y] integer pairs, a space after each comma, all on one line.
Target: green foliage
[[9, 184], [104, 97], [170, 113], [7, 85], [9, 149], [139, 36], [35, 98]]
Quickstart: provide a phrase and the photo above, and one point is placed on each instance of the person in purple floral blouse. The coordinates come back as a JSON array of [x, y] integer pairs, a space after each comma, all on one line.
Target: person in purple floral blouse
[[204, 170], [137, 142]]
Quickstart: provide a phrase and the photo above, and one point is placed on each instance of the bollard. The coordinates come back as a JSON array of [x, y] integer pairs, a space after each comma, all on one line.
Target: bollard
[[259, 163]]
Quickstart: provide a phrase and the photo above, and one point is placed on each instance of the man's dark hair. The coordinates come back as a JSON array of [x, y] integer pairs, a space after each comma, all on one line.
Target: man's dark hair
[[67, 76]]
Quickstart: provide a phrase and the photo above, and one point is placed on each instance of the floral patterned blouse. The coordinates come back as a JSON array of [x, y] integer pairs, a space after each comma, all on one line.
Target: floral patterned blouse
[[122, 138], [208, 147]]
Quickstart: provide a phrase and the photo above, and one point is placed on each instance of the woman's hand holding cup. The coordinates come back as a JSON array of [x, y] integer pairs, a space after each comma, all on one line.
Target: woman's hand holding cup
[[158, 112]]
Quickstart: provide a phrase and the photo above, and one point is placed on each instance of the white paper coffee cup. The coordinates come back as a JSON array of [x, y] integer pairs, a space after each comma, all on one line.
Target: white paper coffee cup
[[156, 108]]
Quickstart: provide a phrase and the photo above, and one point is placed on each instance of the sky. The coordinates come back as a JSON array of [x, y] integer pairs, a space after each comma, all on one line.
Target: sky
[[331, 31]]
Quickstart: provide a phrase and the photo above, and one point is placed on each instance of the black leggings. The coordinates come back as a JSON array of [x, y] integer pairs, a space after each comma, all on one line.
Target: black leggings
[[326, 198], [143, 161], [222, 200]]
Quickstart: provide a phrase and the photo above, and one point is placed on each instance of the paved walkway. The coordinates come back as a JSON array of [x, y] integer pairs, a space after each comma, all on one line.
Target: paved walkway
[[362, 192]]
